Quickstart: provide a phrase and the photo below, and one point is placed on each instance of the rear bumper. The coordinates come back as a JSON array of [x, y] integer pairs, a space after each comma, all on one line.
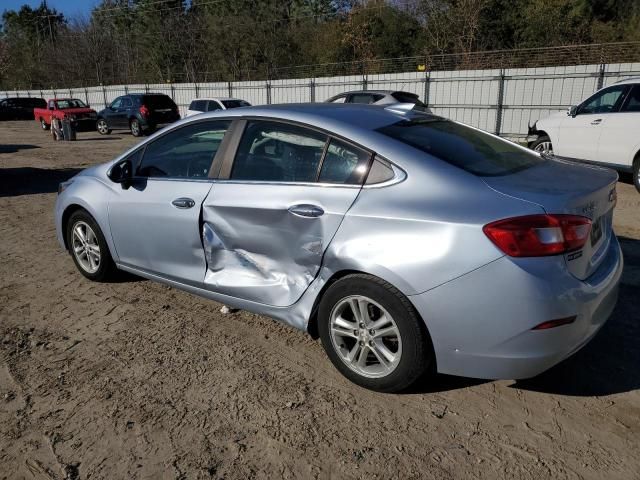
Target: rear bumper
[[481, 322]]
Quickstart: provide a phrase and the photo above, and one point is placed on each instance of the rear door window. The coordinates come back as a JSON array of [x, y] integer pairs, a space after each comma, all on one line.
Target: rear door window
[[344, 163], [279, 152], [632, 102], [472, 150], [361, 98]]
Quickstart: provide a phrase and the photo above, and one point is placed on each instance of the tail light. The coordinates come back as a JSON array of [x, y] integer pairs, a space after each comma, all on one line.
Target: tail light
[[144, 111], [539, 235]]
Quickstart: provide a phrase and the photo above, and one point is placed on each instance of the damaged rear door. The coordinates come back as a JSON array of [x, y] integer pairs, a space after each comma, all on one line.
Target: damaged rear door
[[276, 206]]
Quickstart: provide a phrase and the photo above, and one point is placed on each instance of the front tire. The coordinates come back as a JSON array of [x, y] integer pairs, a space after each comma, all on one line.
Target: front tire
[[636, 173], [372, 334], [543, 145], [88, 248], [103, 127], [136, 129]]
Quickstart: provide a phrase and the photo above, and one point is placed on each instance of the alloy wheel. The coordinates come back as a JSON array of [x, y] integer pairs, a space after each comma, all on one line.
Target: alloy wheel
[[544, 147], [85, 247], [103, 127], [365, 336]]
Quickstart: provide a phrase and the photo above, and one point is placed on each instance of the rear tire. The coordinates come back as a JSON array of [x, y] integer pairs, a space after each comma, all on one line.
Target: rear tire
[[88, 248], [636, 173], [44, 125], [543, 145], [385, 347], [136, 129]]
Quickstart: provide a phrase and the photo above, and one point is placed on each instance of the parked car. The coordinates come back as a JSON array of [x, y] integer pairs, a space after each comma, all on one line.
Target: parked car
[[404, 240], [380, 97], [20, 108], [141, 113], [604, 129], [83, 118], [200, 105]]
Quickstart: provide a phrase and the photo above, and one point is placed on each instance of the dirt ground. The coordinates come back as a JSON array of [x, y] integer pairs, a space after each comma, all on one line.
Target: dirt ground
[[137, 380]]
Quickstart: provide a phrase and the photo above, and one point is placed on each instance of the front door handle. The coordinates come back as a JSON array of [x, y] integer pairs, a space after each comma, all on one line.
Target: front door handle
[[183, 203], [596, 122], [306, 210]]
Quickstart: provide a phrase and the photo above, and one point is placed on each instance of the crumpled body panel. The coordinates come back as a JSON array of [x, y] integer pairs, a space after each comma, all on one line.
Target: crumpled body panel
[[257, 250]]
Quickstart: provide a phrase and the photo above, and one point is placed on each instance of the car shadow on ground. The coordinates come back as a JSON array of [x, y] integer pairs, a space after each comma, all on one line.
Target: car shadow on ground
[[607, 365], [96, 139], [625, 177], [30, 180], [13, 148]]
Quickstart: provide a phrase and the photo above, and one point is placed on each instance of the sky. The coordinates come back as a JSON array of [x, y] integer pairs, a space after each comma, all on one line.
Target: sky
[[70, 8]]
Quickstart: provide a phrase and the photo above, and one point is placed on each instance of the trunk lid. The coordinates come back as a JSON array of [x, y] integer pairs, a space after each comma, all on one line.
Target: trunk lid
[[560, 186]]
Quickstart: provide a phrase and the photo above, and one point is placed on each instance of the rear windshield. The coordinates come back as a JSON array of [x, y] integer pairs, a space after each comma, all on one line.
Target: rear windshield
[[472, 150], [405, 97], [70, 103], [158, 101], [235, 103]]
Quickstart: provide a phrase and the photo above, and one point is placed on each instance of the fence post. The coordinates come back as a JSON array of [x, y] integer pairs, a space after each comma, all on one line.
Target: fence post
[[427, 86], [601, 71], [312, 90], [500, 102], [86, 95], [126, 89], [173, 92], [268, 85], [230, 88], [104, 96], [146, 88], [197, 89]]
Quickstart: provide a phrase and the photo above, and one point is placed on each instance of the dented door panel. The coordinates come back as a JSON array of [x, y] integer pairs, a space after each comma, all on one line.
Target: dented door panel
[[264, 242]]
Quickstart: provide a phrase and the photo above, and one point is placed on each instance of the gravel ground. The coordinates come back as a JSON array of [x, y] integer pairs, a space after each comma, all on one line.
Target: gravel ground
[[137, 380]]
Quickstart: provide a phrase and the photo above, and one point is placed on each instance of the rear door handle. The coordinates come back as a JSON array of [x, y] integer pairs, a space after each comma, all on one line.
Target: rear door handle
[[183, 203], [596, 122], [306, 210]]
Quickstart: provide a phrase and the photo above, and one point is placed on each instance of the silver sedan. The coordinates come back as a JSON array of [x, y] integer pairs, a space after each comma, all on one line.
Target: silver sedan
[[406, 242]]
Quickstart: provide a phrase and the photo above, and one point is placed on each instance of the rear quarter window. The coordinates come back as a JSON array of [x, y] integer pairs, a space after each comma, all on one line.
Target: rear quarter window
[[472, 150]]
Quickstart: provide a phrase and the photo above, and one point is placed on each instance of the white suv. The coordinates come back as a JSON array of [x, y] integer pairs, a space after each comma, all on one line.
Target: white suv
[[604, 129], [199, 105]]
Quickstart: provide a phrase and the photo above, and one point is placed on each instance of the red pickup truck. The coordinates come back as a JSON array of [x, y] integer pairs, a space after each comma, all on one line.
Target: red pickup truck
[[82, 117]]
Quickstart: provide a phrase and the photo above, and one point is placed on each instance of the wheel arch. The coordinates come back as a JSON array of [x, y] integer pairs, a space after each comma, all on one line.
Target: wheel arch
[[66, 215], [312, 325]]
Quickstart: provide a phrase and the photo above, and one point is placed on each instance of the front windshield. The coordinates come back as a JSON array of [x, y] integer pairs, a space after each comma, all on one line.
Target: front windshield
[[69, 103]]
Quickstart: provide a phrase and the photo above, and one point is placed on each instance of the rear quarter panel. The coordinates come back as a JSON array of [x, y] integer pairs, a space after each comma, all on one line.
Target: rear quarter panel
[[423, 231]]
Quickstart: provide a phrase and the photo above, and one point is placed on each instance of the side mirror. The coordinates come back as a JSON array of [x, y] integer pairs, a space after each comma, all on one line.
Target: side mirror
[[122, 173], [573, 110], [51, 108]]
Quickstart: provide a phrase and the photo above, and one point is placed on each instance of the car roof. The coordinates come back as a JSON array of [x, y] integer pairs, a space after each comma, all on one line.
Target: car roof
[[218, 98], [627, 80], [383, 92], [357, 122]]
